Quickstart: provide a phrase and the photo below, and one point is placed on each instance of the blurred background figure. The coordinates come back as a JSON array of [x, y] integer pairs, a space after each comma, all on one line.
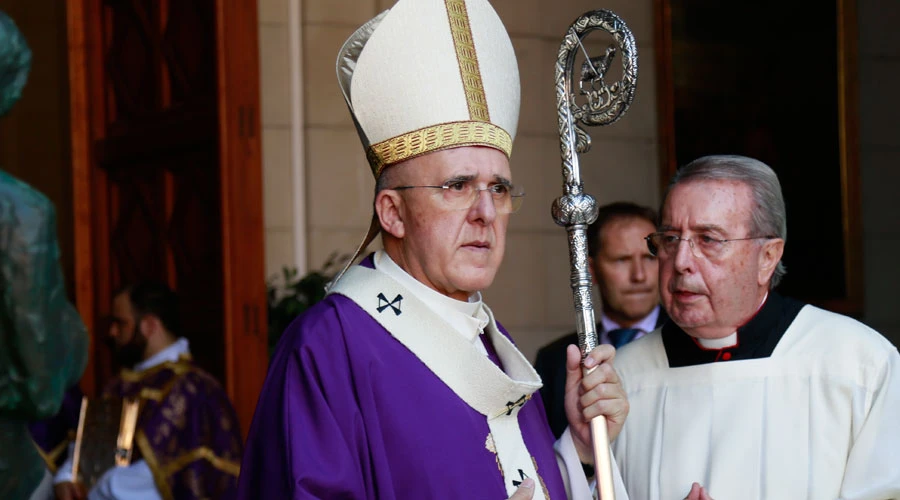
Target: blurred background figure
[[43, 342], [188, 441], [54, 435], [626, 274]]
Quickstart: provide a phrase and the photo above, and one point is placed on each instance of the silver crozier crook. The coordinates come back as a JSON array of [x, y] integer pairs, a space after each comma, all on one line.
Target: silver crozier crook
[[575, 209]]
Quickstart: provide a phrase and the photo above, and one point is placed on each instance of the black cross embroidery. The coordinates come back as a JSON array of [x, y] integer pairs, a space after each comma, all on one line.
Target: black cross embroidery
[[511, 405], [384, 304], [522, 477]]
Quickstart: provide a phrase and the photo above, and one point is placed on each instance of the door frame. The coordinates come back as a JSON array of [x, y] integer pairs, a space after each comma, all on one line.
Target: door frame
[[240, 168]]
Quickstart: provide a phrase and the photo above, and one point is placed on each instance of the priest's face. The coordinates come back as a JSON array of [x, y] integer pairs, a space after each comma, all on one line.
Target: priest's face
[[129, 345], [452, 248], [711, 289]]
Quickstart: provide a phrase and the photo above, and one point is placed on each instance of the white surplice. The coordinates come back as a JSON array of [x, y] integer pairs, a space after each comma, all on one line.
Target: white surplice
[[818, 419]]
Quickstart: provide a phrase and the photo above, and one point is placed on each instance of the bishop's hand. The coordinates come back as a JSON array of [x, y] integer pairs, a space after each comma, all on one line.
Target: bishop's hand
[[590, 395]]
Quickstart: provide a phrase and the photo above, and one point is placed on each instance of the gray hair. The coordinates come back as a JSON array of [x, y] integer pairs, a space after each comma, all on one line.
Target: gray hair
[[385, 180], [769, 216]]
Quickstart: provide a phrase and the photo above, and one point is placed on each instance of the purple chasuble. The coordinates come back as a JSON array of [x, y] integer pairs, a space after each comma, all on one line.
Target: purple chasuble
[[347, 411], [53, 435], [187, 430]]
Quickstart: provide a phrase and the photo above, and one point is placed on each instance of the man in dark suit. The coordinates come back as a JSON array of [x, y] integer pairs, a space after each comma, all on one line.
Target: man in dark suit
[[626, 274]]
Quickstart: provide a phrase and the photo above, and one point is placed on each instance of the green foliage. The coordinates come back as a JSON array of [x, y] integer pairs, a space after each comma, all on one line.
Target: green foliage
[[291, 295]]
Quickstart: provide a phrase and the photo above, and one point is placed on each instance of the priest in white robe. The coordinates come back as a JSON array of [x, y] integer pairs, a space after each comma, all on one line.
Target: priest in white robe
[[746, 394]]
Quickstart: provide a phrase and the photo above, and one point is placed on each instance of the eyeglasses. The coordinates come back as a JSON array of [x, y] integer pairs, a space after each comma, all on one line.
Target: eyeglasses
[[666, 244], [459, 194]]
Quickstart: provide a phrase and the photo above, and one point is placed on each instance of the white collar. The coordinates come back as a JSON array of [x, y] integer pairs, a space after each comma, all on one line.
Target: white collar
[[720, 343], [170, 353], [646, 325], [730, 340], [466, 318]]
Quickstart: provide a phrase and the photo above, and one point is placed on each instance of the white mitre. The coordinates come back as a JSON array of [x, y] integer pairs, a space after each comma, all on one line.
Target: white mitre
[[428, 75]]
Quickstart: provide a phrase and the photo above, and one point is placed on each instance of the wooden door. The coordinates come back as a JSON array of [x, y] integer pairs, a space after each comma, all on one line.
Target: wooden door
[[167, 175], [718, 95]]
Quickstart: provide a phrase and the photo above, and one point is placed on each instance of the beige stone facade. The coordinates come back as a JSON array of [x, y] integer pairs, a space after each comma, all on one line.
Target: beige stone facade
[[318, 187], [335, 203]]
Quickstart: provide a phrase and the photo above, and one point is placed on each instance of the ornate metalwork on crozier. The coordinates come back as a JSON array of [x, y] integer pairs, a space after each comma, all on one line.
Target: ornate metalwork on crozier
[[578, 255], [606, 103], [571, 209]]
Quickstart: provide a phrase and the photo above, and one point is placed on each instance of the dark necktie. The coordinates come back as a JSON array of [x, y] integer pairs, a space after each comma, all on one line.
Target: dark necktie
[[622, 336]]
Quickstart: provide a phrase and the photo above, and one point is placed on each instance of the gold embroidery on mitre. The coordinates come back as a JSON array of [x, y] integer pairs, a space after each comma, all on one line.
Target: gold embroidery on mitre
[[435, 138], [467, 58]]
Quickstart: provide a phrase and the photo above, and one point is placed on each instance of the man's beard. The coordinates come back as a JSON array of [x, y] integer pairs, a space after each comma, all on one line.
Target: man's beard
[[131, 353]]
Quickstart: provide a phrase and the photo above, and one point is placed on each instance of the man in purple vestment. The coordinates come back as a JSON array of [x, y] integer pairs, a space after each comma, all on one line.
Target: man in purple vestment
[[400, 384], [53, 435], [187, 443]]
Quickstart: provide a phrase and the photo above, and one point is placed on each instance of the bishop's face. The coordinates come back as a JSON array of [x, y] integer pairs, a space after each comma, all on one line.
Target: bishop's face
[[456, 251]]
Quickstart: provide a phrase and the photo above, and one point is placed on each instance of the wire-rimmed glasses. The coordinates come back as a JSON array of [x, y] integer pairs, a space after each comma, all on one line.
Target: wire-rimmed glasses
[[702, 245], [461, 194]]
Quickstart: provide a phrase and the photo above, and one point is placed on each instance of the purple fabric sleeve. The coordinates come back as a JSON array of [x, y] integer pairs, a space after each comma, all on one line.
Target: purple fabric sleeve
[[348, 412]]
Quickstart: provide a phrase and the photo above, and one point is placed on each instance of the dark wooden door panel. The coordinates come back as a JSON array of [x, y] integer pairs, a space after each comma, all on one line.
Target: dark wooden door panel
[[160, 154], [167, 173], [244, 262]]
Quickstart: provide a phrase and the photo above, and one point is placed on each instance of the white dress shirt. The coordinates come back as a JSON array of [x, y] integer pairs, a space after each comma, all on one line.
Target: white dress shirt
[[646, 325]]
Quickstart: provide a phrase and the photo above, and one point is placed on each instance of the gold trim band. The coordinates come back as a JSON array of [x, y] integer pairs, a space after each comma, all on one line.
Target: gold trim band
[[435, 138], [181, 366], [205, 453], [467, 58], [49, 457], [161, 474]]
